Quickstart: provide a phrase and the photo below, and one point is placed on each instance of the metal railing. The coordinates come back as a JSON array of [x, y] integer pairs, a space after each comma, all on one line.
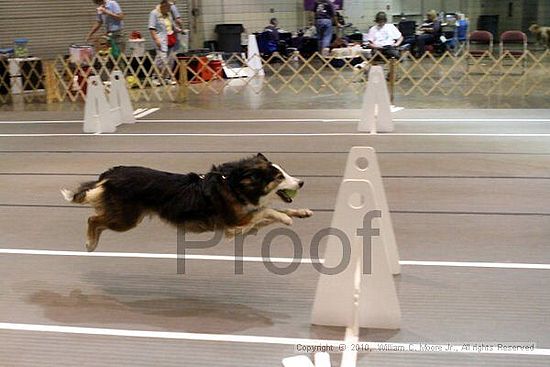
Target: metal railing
[[448, 74]]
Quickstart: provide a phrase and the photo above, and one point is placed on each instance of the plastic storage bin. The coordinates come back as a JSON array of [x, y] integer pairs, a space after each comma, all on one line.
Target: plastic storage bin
[[21, 48], [7, 52]]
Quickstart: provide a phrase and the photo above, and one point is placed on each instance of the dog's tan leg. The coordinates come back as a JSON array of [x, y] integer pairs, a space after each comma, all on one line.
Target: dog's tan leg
[[96, 225], [298, 213], [276, 216], [261, 219]]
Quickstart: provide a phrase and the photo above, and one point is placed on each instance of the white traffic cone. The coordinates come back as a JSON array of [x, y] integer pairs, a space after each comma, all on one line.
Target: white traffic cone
[[98, 116], [120, 99], [254, 59], [362, 164], [363, 294], [376, 111]]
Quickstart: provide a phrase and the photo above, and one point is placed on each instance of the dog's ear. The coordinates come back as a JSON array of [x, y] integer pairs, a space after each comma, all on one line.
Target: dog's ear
[[261, 156]]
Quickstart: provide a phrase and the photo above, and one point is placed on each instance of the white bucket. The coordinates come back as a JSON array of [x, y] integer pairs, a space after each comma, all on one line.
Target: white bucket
[[81, 54], [137, 47]]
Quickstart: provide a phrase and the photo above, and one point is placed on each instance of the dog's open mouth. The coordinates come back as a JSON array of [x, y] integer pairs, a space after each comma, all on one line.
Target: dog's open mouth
[[283, 195]]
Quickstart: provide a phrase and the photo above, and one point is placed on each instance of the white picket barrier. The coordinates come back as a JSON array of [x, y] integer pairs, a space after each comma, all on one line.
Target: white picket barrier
[[363, 294], [102, 114], [376, 111]]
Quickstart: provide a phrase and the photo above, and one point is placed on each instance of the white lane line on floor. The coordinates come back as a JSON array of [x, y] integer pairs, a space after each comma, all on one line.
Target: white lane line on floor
[[147, 255], [475, 264], [327, 120], [39, 122], [251, 339], [147, 112], [471, 120], [150, 256], [217, 135], [138, 113], [330, 120]]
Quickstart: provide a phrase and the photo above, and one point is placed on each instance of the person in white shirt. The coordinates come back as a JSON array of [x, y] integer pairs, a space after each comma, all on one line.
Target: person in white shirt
[[384, 37]]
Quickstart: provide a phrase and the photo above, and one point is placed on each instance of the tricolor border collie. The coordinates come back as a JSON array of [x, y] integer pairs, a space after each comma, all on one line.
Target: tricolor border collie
[[233, 197]]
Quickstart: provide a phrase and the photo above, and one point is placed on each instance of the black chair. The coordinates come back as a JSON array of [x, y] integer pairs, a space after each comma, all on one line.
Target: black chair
[[408, 31]]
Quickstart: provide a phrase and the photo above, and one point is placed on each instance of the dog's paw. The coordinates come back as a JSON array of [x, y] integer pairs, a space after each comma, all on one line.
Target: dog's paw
[[303, 213], [286, 220], [90, 247], [231, 233]]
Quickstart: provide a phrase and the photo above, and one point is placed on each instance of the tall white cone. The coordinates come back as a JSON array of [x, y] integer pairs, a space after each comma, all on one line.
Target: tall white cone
[[362, 164], [376, 111], [98, 116], [363, 294], [120, 99], [254, 59]]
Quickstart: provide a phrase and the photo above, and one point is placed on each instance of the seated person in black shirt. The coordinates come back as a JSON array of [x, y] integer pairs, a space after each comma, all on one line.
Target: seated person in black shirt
[[429, 32], [274, 42]]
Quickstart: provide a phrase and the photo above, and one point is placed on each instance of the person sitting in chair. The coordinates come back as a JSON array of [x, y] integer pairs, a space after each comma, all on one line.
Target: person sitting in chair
[[429, 32], [274, 42], [384, 37]]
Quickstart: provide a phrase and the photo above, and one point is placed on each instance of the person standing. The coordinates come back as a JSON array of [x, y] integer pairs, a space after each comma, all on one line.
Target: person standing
[[163, 28], [178, 19], [384, 37], [176, 14], [324, 16], [110, 15]]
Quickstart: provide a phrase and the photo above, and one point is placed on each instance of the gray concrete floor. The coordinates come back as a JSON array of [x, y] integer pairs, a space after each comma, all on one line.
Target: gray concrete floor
[[453, 197]]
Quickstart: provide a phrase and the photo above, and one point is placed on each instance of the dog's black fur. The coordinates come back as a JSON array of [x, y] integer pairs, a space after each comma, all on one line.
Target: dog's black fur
[[232, 197]]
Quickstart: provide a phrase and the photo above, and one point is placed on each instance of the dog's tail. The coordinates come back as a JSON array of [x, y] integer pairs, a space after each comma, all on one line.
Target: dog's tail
[[79, 196]]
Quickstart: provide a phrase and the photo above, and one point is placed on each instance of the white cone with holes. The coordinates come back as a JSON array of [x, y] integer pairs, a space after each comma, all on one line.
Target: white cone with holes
[[376, 110], [362, 164], [98, 115], [120, 99], [322, 359], [298, 361], [254, 59], [363, 293]]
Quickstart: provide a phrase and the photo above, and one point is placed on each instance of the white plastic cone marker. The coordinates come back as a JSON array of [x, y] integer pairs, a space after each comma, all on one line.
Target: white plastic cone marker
[[362, 164], [120, 99], [348, 298], [322, 359], [254, 60], [297, 361], [98, 116], [376, 111]]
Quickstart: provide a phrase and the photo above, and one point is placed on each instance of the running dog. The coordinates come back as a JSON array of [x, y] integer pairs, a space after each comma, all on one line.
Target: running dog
[[233, 197], [541, 33]]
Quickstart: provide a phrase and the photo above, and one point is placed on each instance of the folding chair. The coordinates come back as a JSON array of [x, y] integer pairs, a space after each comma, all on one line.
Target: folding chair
[[407, 29], [514, 45], [479, 43], [509, 42]]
